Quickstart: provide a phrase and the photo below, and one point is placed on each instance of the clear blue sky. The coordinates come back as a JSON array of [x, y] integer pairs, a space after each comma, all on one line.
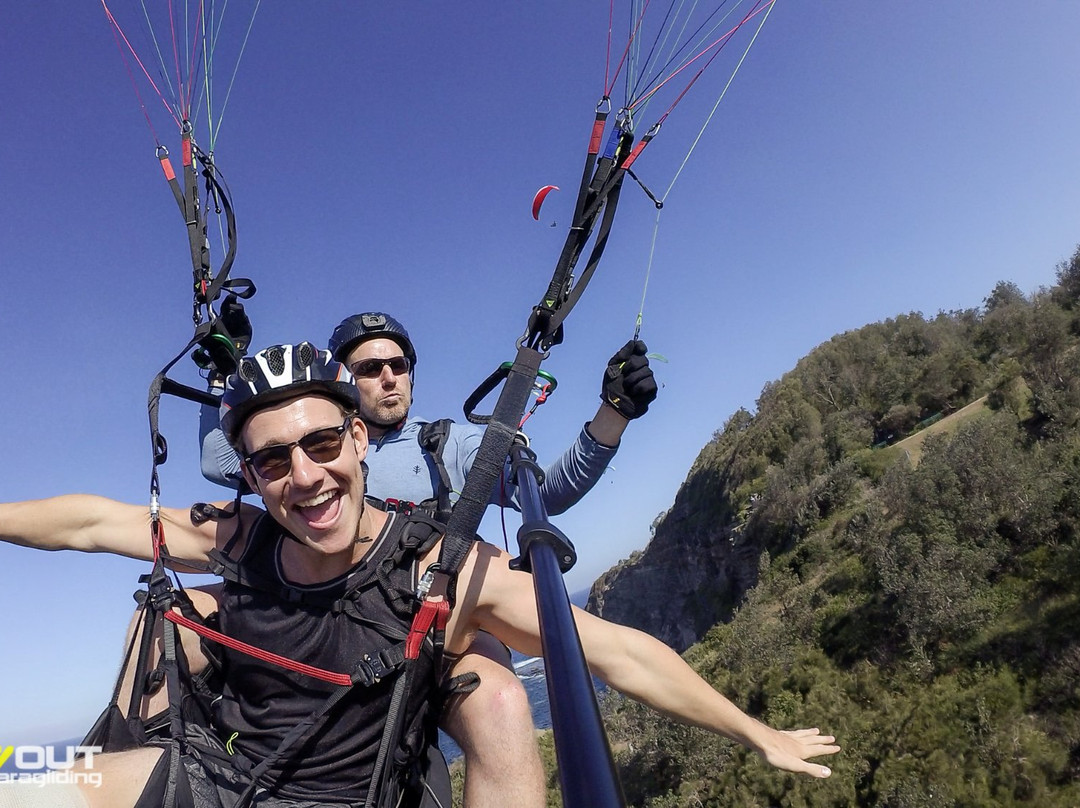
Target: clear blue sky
[[870, 159]]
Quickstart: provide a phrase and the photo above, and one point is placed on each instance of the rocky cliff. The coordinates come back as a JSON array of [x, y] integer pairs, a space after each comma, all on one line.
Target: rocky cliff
[[694, 571]]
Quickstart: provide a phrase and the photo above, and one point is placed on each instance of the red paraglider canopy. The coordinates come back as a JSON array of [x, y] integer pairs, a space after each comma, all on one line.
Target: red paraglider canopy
[[538, 200]]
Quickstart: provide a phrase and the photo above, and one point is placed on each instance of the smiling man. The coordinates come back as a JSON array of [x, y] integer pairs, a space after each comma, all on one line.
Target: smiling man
[[323, 581]]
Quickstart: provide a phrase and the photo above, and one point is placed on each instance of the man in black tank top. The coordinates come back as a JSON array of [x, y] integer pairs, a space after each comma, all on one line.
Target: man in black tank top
[[318, 578]]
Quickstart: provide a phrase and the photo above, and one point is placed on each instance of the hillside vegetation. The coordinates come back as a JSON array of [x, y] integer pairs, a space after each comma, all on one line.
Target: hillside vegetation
[[926, 613]]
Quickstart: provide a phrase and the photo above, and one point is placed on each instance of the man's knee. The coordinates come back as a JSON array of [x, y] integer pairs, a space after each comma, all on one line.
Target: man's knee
[[34, 795], [493, 717], [501, 698]]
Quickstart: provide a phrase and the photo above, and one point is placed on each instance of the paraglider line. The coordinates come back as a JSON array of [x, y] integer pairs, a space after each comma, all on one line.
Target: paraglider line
[[663, 27], [236, 67], [194, 60], [119, 34], [688, 43], [157, 48], [686, 159], [176, 61], [723, 93], [626, 51], [716, 46], [607, 56]]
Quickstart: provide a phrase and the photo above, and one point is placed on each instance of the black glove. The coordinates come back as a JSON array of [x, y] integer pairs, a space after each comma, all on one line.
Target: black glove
[[225, 339], [629, 385], [236, 323]]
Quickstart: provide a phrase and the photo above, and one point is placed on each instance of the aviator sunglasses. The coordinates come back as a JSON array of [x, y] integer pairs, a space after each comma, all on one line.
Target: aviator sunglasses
[[372, 368], [322, 446]]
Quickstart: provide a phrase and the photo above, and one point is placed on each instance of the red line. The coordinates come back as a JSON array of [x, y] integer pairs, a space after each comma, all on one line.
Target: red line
[[721, 41], [607, 58], [258, 653], [119, 31], [629, 42]]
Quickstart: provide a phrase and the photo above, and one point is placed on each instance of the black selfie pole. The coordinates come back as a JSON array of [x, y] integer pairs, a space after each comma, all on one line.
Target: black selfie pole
[[586, 768]]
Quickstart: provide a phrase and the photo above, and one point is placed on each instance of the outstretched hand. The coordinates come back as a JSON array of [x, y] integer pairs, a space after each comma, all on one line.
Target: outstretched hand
[[789, 750]]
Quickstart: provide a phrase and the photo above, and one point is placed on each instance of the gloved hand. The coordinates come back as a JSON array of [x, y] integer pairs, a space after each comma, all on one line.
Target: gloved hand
[[225, 340], [236, 323], [629, 385]]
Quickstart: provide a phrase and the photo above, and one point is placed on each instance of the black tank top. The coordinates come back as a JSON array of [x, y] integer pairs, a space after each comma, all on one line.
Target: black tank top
[[262, 702]]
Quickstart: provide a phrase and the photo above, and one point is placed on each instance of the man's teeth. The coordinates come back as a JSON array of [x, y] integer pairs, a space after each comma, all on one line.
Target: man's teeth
[[318, 499]]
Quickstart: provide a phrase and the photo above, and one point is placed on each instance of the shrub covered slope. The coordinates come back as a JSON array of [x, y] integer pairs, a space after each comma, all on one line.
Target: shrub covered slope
[[921, 600]]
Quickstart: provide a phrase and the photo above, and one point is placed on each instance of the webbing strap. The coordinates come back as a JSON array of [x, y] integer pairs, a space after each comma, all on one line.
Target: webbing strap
[[432, 613], [600, 243], [489, 463], [176, 719], [299, 733], [207, 289], [390, 736], [599, 192], [343, 679]]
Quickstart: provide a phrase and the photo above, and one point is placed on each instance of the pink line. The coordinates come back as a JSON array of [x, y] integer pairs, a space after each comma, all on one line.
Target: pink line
[[722, 41], [629, 42], [119, 30]]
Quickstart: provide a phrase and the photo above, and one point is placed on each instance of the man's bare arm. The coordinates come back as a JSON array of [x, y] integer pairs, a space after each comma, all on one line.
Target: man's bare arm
[[93, 524], [494, 598]]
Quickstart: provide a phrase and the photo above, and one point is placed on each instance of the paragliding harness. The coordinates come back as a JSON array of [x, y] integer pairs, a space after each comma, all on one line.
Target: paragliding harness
[[409, 770], [432, 440]]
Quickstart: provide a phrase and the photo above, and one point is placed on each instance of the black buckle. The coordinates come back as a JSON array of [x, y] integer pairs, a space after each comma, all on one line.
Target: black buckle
[[370, 670]]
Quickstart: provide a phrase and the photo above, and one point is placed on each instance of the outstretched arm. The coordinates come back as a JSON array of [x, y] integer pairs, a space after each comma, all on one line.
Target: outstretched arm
[[94, 524], [581, 466], [496, 599], [627, 390]]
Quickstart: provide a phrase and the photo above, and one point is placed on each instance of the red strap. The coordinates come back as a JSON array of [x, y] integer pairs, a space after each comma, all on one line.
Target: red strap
[[430, 612], [258, 653]]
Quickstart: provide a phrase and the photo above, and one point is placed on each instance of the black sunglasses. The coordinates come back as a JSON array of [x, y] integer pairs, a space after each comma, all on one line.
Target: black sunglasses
[[372, 368], [323, 446]]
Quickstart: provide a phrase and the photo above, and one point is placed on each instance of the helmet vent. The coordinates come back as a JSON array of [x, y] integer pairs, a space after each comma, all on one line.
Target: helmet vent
[[275, 359], [305, 355], [247, 370]]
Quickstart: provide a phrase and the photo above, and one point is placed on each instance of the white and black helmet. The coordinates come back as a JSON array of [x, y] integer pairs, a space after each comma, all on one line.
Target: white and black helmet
[[278, 373]]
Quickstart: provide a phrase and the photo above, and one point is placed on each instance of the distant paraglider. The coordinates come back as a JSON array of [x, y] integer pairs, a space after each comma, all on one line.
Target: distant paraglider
[[538, 200]]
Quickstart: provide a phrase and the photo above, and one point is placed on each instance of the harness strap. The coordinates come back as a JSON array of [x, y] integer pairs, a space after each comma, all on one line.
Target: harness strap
[[372, 668], [489, 463], [391, 734], [432, 439], [176, 720], [297, 734], [432, 613]]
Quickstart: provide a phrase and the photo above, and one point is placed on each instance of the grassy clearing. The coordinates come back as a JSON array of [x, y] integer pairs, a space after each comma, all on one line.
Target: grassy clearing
[[912, 445]]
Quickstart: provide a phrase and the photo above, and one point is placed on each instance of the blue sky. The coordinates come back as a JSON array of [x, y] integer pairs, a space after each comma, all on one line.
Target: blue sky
[[870, 159]]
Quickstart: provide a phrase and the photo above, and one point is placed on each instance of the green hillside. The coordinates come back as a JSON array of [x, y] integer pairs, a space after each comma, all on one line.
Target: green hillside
[[927, 612]]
